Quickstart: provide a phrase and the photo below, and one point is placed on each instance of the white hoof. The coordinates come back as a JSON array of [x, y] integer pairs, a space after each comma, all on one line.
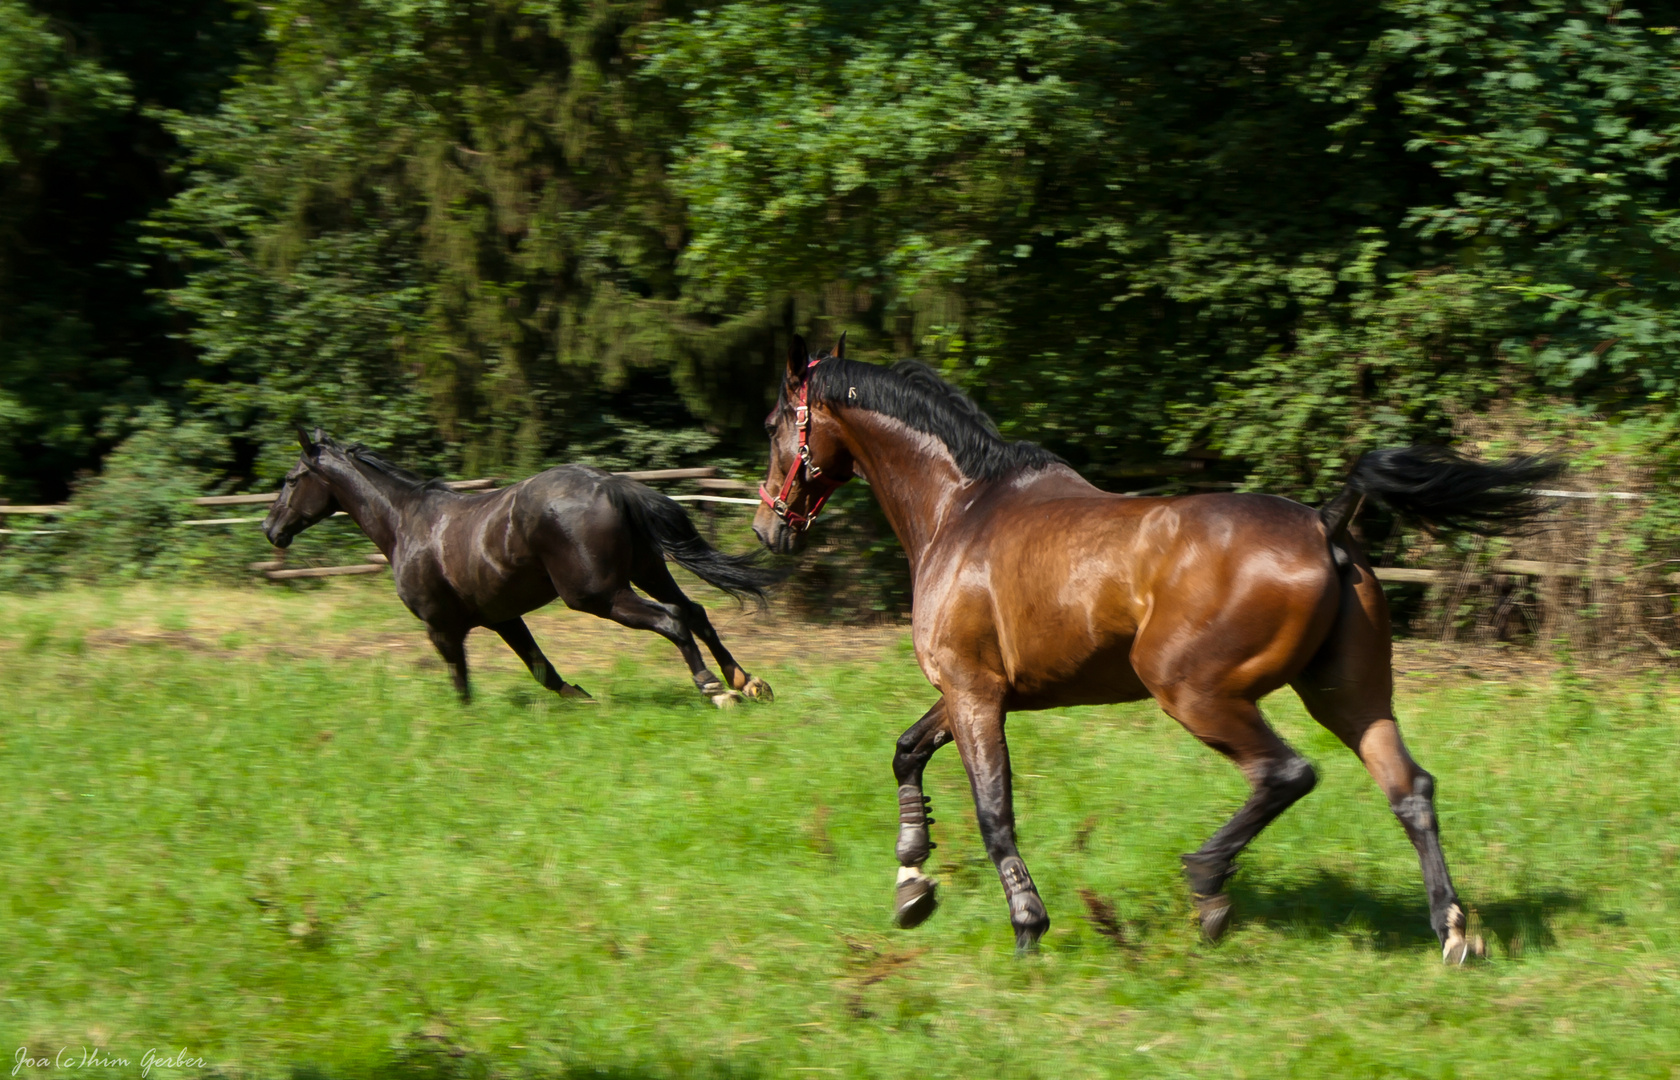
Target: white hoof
[[1458, 947]]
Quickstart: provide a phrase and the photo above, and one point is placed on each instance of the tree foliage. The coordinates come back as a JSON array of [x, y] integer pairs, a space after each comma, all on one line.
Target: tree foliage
[[492, 235], [1302, 233], [446, 229], [84, 340]]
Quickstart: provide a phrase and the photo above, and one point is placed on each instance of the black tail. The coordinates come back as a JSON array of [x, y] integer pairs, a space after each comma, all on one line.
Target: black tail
[[1443, 489], [664, 522]]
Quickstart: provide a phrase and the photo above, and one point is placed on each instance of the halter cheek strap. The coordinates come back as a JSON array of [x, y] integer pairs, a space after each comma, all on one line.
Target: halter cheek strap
[[810, 474]]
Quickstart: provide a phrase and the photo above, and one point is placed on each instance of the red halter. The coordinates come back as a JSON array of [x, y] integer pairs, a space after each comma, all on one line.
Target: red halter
[[813, 476]]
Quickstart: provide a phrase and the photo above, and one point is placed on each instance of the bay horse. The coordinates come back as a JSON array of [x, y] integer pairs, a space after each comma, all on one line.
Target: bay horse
[[463, 559], [1033, 589]]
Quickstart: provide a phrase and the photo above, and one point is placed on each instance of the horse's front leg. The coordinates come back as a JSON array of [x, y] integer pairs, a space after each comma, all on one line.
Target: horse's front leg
[[451, 644], [976, 717], [917, 894], [519, 639]]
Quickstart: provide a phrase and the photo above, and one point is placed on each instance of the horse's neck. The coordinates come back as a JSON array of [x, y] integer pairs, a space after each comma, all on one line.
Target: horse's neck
[[377, 503], [913, 475]]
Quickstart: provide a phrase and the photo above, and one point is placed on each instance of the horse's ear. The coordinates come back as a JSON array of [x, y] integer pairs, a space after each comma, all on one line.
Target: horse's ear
[[840, 347], [799, 358], [309, 445]]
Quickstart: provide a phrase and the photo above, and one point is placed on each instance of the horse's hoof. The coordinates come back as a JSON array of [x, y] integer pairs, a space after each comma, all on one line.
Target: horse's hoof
[[916, 898], [1027, 915], [758, 690], [1458, 949], [1457, 946], [1026, 937], [1214, 915], [724, 699], [572, 692]]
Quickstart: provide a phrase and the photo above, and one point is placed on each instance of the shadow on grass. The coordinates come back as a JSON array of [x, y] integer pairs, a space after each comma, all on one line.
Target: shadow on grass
[[638, 691], [1521, 923], [1329, 904], [438, 1063]]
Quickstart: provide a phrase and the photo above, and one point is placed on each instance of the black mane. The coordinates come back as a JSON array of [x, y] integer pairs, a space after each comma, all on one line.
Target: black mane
[[913, 393], [360, 452]]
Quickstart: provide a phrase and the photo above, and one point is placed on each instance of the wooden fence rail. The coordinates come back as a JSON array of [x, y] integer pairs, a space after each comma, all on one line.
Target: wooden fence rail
[[1522, 567]]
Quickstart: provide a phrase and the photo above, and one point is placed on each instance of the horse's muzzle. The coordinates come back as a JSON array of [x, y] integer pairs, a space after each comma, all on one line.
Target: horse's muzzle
[[780, 538]]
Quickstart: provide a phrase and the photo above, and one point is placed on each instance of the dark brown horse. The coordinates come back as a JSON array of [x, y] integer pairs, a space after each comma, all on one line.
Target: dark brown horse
[[1035, 590], [486, 558]]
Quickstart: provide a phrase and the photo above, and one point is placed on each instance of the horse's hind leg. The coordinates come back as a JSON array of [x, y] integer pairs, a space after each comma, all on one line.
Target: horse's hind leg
[[916, 894], [519, 639], [657, 582], [1277, 774], [1349, 689], [640, 613]]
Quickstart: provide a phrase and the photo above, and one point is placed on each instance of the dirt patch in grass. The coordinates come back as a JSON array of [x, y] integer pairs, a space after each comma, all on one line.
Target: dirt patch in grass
[[345, 620], [350, 619]]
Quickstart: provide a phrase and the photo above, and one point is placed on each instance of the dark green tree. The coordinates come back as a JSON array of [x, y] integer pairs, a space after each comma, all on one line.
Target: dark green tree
[[446, 229], [84, 341]]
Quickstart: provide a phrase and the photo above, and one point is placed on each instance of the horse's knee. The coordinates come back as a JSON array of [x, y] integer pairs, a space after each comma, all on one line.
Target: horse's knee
[[906, 762], [913, 749]]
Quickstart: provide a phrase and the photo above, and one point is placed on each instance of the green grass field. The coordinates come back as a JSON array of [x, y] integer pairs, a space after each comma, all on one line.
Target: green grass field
[[255, 826]]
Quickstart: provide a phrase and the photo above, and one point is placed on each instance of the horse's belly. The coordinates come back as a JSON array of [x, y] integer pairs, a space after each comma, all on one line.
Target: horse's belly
[[522, 590], [1051, 677]]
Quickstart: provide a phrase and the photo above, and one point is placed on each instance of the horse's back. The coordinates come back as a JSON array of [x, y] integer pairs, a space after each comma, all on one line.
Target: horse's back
[[1102, 596]]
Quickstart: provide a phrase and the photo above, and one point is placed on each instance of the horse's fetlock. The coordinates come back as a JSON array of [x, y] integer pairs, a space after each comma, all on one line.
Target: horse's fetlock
[[1207, 874]]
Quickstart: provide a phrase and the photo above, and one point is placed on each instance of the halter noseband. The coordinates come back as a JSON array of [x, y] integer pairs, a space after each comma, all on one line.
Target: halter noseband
[[812, 475]]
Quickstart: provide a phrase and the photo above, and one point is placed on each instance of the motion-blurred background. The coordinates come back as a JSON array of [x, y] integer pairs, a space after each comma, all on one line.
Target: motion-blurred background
[[1183, 245]]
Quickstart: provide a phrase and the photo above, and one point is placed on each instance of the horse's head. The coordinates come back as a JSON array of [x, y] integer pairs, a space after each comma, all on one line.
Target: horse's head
[[305, 498], [808, 459]]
